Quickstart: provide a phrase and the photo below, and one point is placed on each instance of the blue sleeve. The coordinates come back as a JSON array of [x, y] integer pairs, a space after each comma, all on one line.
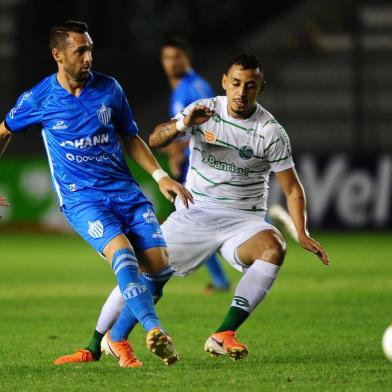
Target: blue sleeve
[[24, 114], [178, 101], [123, 114], [201, 89]]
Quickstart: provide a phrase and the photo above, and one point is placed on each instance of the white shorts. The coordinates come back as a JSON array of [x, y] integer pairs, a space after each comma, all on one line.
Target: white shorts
[[193, 235]]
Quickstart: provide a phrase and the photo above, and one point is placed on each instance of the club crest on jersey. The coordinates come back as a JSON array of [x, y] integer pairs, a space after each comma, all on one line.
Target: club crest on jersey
[[104, 114], [95, 229], [246, 152], [209, 136]]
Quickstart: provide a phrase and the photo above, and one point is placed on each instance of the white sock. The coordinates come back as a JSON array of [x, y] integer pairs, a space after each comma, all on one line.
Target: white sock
[[254, 285], [110, 311]]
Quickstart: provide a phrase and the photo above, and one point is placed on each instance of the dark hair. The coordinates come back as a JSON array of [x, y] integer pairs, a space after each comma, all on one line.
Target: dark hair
[[59, 33], [246, 61], [180, 43]]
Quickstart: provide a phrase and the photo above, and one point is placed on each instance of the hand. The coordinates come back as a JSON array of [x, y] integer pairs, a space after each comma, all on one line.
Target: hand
[[313, 246], [168, 186], [3, 202], [198, 115]]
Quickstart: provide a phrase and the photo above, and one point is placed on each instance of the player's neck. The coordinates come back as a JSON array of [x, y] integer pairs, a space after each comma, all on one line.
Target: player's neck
[[241, 116], [174, 81], [69, 84]]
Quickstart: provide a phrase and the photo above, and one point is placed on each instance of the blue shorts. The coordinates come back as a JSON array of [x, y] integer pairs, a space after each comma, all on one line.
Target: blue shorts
[[99, 221]]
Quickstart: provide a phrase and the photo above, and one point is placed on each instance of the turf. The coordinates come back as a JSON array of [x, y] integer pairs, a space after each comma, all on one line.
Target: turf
[[319, 329]]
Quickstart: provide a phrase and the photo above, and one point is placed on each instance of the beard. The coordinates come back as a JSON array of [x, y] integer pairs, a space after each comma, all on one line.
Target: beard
[[79, 75]]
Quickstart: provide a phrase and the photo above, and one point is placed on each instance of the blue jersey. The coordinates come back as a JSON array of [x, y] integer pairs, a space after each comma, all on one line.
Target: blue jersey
[[191, 88], [80, 136]]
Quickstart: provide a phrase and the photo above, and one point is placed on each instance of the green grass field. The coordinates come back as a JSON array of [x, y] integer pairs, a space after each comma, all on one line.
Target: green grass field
[[319, 329]]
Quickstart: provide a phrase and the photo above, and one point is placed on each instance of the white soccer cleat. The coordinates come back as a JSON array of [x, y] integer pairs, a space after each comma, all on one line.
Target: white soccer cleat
[[282, 220]]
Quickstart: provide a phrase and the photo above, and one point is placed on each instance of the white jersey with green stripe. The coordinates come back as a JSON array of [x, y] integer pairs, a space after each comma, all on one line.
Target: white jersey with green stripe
[[231, 159]]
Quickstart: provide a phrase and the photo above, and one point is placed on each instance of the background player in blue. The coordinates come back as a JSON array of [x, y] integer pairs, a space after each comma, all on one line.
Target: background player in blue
[[86, 119], [187, 87]]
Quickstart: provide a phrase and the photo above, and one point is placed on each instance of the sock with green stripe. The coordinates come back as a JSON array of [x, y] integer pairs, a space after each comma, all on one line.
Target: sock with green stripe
[[251, 290], [234, 318], [95, 345]]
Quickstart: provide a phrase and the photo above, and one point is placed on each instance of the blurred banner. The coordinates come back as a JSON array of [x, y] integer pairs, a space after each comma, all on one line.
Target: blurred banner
[[344, 191], [27, 184]]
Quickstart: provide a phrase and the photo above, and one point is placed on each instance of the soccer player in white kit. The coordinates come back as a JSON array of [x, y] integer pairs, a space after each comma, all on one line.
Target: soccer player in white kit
[[235, 143]]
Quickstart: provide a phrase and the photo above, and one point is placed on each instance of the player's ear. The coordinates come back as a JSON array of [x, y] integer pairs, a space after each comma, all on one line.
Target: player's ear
[[57, 55], [224, 81], [262, 87]]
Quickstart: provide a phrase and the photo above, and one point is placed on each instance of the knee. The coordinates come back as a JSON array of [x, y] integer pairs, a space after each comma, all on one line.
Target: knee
[[275, 251], [164, 259], [154, 260]]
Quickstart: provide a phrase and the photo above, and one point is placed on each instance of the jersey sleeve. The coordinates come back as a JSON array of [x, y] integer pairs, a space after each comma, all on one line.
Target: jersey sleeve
[[24, 114], [198, 89], [207, 102], [210, 103], [278, 149], [178, 103], [123, 114]]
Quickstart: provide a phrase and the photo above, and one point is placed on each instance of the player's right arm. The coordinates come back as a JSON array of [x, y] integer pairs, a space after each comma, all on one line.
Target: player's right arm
[[4, 202], [5, 137], [166, 132], [24, 114]]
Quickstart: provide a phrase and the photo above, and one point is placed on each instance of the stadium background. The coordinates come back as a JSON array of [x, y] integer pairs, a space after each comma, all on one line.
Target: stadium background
[[328, 82], [327, 66]]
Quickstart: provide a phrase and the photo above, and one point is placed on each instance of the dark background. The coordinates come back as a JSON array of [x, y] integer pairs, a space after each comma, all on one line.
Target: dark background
[[327, 66], [327, 63]]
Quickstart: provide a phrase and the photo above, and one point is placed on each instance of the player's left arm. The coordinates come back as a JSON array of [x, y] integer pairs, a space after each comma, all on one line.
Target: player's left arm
[[142, 155], [3, 202], [296, 203], [5, 137]]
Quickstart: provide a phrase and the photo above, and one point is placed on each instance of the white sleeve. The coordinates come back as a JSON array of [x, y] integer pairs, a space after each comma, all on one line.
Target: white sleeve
[[278, 149], [207, 102]]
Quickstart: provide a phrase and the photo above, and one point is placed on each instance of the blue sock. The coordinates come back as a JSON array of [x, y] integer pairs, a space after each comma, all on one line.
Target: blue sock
[[138, 298], [156, 280], [218, 275], [127, 320]]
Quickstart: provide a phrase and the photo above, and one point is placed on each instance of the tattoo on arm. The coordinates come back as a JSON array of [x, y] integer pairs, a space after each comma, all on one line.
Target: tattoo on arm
[[163, 135]]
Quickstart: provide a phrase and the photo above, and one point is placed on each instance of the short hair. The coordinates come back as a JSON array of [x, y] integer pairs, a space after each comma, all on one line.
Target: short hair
[[59, 33], [246, 61], [179, 43]]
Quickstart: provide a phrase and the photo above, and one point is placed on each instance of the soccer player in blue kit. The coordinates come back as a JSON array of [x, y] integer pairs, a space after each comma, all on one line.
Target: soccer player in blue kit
[[86, 123], [187, 86]]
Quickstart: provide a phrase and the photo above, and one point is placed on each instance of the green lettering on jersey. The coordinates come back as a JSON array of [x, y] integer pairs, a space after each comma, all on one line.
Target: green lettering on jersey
[[211, 161]]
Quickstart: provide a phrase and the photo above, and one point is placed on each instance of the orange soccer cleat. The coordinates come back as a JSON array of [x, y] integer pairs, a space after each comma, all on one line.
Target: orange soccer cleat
[[122, 351], [81, 355], [225, 343], [161, 344]]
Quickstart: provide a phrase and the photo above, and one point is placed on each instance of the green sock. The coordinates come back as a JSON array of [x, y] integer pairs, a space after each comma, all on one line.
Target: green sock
[[234, 318], [95, 345]]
